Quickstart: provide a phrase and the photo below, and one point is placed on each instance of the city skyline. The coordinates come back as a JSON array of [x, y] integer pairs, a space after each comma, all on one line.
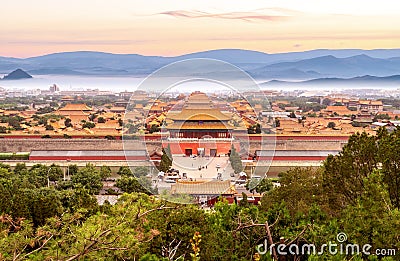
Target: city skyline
[[176, 27]]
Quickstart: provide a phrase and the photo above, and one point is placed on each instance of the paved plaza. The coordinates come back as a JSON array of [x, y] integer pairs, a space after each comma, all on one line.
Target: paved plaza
[[200, 168], [207, 168]]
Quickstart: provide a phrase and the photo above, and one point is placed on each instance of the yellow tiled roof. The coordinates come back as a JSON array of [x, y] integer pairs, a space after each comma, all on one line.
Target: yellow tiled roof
[[194, 114], [206, 188], [196, 126], [117, 109], [75, 107]]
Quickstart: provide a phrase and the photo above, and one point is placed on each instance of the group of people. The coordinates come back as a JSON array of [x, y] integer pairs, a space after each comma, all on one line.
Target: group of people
[[202, 167]]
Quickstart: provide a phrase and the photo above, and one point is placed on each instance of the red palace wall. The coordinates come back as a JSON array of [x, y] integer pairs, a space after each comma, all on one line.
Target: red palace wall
[[158, 137], [181, 147], [88, 158], [143, 158], [294, 158]]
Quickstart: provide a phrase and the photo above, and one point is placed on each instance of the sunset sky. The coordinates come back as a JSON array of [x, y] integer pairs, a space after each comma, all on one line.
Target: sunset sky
[[160, 27]]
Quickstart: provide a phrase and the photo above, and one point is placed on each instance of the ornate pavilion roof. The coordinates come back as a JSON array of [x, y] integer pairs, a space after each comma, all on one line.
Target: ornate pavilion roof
[[206, 188], [200, 114], [199, 107], [75, 107], [195, 126]]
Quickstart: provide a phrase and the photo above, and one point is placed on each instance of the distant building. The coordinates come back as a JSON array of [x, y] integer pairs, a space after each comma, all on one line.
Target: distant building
[[370, 106], [158, 107], [54, 88], [75, 112], [275, 114], [361, 105], [339, 110], [121, 103], [67, 99], [118, 110]]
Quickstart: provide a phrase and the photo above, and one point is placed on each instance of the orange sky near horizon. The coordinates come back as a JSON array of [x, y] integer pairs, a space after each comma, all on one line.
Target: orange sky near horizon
[[169, 28]]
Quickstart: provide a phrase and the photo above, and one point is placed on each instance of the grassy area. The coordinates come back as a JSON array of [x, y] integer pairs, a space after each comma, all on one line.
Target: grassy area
[[14, 156]]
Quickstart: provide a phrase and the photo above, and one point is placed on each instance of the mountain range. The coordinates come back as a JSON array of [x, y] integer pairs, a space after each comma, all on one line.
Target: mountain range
[[298, 66], [362, 81]]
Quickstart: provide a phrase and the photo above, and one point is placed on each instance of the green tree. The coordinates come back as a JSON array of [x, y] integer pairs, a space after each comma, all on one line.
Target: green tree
[[20, 169], [235, 160], [74, 200], [259, 185], [89, 178], [331, 125], [120, 235], [389, 156], [168, 151], [382, 117], [372, 219], [68, 122], [300, 189], [73, 169], [55, 173], [46, 203], [15, 122], [258, 128], [292, 115], [105, 172], [277, 123], [89, 125], [230, 234], [344, 173], [22, 203], [5, 199], [254, 129], [37, 175], [244, 202], [166, 162], [154, 128], [130, 185], [49, 127], [35, 204], [141, 171], [92, 117], [53, 104], [125, 171]]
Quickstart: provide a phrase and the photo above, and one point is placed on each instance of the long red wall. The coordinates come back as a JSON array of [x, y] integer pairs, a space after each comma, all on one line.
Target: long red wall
[[157, 137], [294, 158], [142, 158], [87, 158]]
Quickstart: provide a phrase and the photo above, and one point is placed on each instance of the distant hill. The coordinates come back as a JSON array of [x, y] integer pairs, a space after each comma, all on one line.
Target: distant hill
[[364, 81], [321, 63], [235, 56], [17, 75], [331, 66]]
